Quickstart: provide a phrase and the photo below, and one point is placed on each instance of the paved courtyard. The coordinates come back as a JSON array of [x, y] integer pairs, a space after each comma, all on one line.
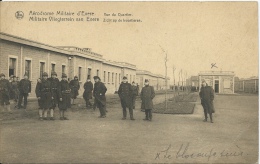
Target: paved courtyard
[[85, 138]]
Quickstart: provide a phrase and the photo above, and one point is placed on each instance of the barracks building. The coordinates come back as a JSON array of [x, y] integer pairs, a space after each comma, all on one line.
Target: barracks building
[[19, 56]]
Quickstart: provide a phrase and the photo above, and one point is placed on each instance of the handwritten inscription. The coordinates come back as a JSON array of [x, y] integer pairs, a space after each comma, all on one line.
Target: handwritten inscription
[[183, 152]]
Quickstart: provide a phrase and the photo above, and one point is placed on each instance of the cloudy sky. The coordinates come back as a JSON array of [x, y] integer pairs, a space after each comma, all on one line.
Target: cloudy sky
[[193, 34]]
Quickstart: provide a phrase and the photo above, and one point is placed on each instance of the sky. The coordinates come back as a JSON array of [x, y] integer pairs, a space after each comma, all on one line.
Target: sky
[[193, 34]]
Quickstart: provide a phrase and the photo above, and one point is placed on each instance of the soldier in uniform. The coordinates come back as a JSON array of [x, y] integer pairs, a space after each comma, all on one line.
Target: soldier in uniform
[[37, 92], [88, 88], [74, 86], [15, 89], [125, 93], [24, 90], [44, 94], [64, 96], [207, 97], [135, 93], [5, 88], [99, 94], [147, 95], [54, 86]]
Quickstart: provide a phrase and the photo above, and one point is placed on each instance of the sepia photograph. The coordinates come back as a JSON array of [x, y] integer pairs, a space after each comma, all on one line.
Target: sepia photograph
[[129, 82]]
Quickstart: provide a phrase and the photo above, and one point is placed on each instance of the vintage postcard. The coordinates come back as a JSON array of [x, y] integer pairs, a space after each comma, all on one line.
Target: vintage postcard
[[129, 82]]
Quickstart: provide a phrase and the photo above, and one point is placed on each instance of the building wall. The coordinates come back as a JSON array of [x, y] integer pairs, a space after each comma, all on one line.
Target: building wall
[[225, 82], [113, 77]]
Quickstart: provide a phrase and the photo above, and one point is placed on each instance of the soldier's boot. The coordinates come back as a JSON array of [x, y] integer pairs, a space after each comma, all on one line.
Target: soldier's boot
[[131, 114], [64, 118], [40, 114], [146, 115], [211, 119], [51, 114], [124, 114], [45, 113], [150, 115], [206, 117]]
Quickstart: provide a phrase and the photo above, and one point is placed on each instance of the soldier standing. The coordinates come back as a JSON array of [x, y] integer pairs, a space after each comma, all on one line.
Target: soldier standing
[[5, 88], [135, 93], [74, 86], [99, 94], [38, 92], [45, 95], [54, 86], [88, 86], [64, 96], [24, 90], [15, 91], [147, 95], [207, 97], [125, 93]]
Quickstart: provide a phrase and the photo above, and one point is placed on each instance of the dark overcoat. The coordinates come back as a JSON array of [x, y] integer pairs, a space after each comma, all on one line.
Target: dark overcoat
[[88, 88], [38, 93], [43, 90], [207, 97], [54, 87], [5, 89], [74, 86], [135, 90], [125, 93], [147, 95], [15, 90], [64, 93], [99, 92], [24, 86]]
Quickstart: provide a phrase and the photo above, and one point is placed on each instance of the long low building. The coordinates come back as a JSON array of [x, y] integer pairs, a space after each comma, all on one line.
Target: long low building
[[19, 56], [155, 80], [247, 85]]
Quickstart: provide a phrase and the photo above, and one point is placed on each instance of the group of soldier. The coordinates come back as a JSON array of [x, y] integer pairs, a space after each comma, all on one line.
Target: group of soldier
[[52, 92]]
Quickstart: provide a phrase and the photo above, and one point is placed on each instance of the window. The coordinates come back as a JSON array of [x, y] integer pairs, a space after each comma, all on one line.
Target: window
[[104, 76], [28, 68], [63, 69], [119, 77], [79, 73], [52, 67], [116, 78], [42, 68], [134, 78], [108, 77], [127, 76], [89, 73], [97, 72], [112, 77], [130, 78], [12, 66]]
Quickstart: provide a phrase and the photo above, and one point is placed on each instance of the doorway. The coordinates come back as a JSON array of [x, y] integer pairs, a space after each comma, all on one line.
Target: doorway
[[216, 86]]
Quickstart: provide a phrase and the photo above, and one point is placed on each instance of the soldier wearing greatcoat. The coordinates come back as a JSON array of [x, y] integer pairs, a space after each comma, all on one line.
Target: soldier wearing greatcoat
[[24, 87], [74, 86], [147, 95], [207, 97], [135, 93], [125, 93], [44, 94], [5, 88], [64, 96], [54, 86], [15, 89], [37, 92], [100, 97], [87, 95]]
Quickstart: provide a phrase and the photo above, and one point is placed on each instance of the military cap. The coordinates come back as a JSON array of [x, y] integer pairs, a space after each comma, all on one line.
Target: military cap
[[133, 82], [88, 77], [75, 77], [124, 77], [2, 75], [44, 74], [53, 73], [96, 77], [146, 80], [63, 75]]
